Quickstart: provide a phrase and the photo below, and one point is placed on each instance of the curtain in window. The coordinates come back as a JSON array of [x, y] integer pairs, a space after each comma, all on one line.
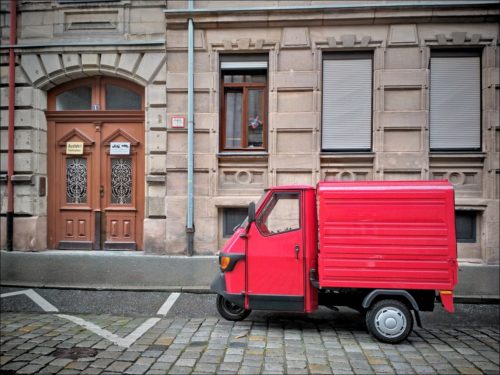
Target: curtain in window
[[233, 119]]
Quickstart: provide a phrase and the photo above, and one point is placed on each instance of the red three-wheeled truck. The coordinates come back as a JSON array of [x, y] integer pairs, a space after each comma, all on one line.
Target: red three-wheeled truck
[[384, 248]]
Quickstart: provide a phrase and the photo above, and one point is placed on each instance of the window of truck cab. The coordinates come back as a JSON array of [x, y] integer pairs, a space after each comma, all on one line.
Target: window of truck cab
[[243, 109], [280, 214]]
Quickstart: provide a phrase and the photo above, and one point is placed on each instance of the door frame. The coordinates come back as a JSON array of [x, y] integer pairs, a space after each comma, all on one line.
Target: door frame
[[96, 114], [53, 117], [96, 117]]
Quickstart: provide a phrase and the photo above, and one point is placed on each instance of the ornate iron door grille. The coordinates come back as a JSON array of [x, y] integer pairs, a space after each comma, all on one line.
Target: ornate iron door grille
[[76, 180], [121, 180]]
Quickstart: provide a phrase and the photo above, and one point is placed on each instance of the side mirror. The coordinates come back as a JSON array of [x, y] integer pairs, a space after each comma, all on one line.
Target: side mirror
[[251, 212]]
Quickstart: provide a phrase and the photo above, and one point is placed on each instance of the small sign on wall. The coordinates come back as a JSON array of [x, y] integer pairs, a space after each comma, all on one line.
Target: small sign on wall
[[119, 148], [74, 148], [178, 121]]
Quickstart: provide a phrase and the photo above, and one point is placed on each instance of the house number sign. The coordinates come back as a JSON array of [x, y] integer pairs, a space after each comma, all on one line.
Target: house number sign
[[178, 122], [119, 148]]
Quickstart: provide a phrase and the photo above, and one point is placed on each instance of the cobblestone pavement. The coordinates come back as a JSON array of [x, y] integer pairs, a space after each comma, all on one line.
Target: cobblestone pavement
[[48, 343]]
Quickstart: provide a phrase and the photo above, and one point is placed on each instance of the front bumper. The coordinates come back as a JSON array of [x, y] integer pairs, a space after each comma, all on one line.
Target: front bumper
[[218, 286]]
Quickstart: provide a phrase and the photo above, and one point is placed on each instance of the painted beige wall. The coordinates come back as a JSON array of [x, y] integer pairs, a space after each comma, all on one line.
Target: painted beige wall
[[400, 114]]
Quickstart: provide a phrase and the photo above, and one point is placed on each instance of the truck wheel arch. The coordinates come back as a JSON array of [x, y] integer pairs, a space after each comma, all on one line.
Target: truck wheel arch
[[375, 295]]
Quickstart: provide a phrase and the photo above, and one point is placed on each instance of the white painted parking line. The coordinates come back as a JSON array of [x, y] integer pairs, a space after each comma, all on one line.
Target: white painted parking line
[[165, 308], [120, 341], [35, 297]]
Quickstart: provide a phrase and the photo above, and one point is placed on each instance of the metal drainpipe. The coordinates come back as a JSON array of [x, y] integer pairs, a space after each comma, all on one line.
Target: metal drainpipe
[[190, 120], [10, 136]]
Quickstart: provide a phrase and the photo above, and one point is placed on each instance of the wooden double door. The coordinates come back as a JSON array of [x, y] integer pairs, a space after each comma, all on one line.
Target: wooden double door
[[96, 181]]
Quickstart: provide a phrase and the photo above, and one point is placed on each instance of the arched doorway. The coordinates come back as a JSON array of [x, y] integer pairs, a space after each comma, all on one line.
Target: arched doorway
[[96, 165]]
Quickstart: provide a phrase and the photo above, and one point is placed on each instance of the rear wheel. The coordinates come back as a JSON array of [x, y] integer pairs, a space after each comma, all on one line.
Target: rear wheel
[[229, 310], [389, 321]]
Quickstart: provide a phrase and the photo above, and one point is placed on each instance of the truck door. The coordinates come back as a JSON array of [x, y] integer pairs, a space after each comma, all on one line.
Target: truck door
[[275, 254]]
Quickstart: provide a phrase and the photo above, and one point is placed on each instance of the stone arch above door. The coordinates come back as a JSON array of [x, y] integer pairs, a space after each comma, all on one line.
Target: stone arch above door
[[47, 70]]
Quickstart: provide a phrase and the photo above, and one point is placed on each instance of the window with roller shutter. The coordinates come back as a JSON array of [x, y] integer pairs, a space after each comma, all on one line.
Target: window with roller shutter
[[455, 100], [347, 102]]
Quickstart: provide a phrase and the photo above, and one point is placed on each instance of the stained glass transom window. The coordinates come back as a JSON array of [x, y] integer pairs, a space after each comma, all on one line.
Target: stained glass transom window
[[76, 180], [121, 180]]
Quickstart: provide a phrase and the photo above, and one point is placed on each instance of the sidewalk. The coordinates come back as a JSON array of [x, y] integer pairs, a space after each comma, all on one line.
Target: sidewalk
[[125, 270], [49, 343], [134, 270]]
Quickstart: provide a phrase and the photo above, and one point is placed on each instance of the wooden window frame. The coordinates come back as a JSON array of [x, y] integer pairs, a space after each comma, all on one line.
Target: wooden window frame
[[244, 87]]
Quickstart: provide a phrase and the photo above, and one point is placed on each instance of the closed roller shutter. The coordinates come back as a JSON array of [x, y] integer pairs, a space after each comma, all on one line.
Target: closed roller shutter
[[347, 104], [455, 103]]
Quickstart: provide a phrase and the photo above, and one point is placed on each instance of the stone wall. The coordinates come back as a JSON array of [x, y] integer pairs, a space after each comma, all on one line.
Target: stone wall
[[66, 42]]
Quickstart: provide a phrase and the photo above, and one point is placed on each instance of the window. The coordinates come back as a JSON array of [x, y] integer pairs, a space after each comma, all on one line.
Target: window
[[466, 224], [347, 102], [281, 214], [96, 94], [232, 218], [76, 180], [78, 98], [455, 100], [243, 102], [118, 97]]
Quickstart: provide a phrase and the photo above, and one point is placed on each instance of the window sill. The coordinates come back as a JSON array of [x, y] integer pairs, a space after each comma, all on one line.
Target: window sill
[[243, 156], [457, 153], [347, 157], [230, 154], [436, 157]]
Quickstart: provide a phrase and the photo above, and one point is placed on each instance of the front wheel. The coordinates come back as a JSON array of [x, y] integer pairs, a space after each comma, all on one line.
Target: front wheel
[[231, 311], [389, 321]]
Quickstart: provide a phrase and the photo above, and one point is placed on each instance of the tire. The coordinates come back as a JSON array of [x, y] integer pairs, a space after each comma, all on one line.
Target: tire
[[230, 311], [389, 321]]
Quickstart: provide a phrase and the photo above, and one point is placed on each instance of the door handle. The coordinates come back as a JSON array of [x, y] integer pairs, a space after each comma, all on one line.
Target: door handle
[[297, 251], [101, 191]]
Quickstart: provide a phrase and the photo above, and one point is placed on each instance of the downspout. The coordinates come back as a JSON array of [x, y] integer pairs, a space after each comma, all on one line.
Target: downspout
[[10, 136], [190, 142]]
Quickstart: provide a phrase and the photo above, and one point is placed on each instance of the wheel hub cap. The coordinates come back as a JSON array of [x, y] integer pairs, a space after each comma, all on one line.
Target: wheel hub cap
[[390, 322]]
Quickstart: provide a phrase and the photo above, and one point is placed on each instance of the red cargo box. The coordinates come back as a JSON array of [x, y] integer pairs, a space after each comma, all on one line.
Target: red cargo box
[[383, 234]]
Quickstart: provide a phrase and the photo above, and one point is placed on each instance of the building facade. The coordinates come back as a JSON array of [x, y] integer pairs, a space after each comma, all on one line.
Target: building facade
[[284, 92]]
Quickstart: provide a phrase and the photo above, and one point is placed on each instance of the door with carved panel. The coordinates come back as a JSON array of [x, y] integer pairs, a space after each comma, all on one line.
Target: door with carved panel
[[96, 165]]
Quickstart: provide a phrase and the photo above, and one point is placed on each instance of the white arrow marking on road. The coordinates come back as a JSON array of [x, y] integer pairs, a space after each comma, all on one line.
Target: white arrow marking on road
[[120, 341], [35, 297], [165, 308]]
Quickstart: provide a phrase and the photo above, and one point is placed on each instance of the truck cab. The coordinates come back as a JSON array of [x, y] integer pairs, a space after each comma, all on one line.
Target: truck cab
[[382, 248]]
